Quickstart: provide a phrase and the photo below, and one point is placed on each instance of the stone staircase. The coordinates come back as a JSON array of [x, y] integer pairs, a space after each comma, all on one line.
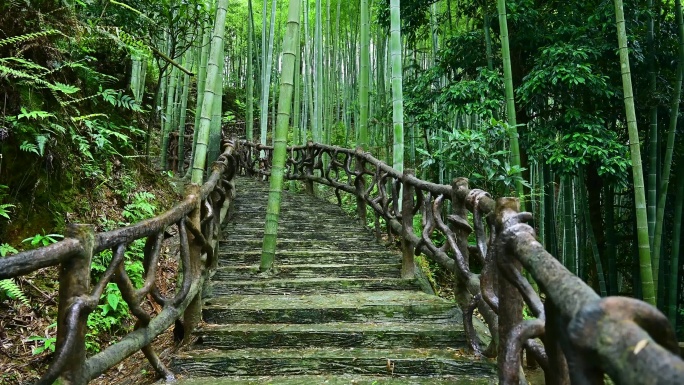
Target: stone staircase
[[335, 312]]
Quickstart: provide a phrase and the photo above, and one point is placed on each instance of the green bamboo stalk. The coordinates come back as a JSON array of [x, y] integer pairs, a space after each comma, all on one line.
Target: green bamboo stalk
[[214, 148], [610, 240], [364, 76], [297, 101], [167, 122], [397, 91], [584, 206], [673, 284], [189, 62], [266, 76], [213, 76], [654, 141], [569, 254], [201, 88], [308, 75], [646, 271], [550, 239], [318, 83], [510, 100], [488, 40], [290, 51], [136, 69], [667, 162], [249, 118]]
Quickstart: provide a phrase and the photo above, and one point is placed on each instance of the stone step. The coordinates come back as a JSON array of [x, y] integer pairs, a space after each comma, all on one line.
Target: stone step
[[337, 270], [377, 306], [341, 335], [341, 379], [400, 362], [361, 237], [235, 243], [294, 257], [311, 286], [330, 224]]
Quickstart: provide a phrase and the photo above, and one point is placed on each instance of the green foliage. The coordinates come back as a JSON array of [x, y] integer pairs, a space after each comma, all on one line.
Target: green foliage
[[4, 212], [110, 314], [45, 343], [478, 153], [141, 207], [40, 240], [8, 287], [119, 99], [4, 209], [30, 36], [113, 314]]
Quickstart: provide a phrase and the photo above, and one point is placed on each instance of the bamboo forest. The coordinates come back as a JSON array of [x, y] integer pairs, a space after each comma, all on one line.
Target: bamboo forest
[[341, 192]]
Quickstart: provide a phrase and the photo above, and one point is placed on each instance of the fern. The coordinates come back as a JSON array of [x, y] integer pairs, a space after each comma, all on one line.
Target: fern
[[29, 147], [8, 286], [27, 37], [119, 99], [13, 291], [4, 212], [87, 117], [56, 86], [25, 114]]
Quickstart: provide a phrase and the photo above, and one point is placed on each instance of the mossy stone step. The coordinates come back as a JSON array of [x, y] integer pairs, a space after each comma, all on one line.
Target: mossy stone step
[[401, 362], [327, 222], [343, 379], [377, 306], [313, 234], [234, 243], [293, 257], [311, 286], [336, 270], [356, 335]]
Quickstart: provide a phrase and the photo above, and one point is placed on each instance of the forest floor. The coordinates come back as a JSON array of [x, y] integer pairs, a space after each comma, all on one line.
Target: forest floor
[[27, 332]]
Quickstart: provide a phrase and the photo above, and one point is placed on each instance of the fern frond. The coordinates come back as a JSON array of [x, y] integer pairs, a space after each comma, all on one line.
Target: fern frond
[[14, 291], [27, 64], [85, 117], [57, 86], [28, 36]]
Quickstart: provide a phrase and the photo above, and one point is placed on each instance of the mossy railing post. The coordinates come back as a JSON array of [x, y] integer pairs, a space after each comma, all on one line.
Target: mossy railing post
[[510, 299], [193, 313], [308, 183], [407, 263], [458, 222], [74, 288], [360, 184]]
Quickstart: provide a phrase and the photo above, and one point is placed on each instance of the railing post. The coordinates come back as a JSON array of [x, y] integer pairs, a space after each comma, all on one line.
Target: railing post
[[459, 210], [360, 183], [74, 286], [193, 313], [510, 299], [407, 263], [309, 169]]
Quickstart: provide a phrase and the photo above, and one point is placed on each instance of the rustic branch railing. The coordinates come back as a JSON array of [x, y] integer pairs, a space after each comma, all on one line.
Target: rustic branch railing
[[575, 335], [197, 219]]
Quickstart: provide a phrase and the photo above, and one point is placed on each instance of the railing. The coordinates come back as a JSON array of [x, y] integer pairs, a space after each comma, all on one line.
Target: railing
[[197, 219], [575, 335]]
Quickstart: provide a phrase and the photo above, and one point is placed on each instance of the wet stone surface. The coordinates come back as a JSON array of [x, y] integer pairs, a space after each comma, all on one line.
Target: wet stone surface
[[335, 311]]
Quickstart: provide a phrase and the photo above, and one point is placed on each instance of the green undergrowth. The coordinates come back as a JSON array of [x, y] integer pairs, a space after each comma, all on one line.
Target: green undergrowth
[[132, 192]]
